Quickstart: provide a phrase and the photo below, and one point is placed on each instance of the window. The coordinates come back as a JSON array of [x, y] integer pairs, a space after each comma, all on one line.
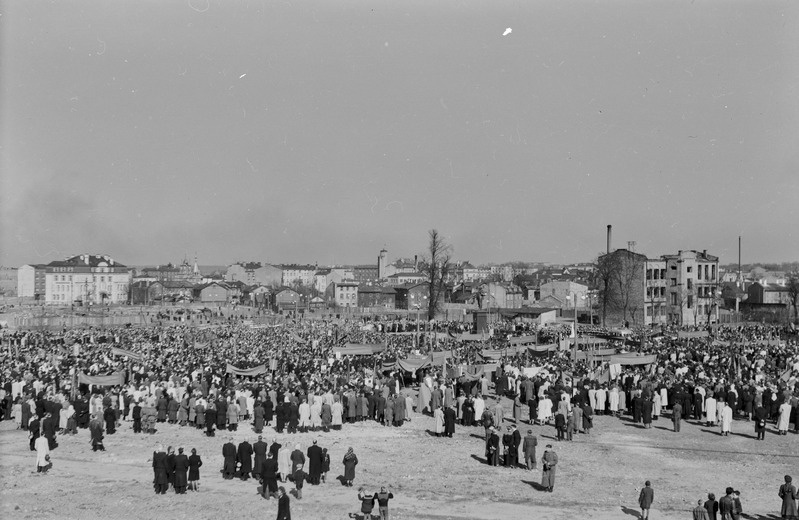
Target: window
[[690, 284], [690, 301], [690, 269], [699, 273], [674, 298], [674, 282]]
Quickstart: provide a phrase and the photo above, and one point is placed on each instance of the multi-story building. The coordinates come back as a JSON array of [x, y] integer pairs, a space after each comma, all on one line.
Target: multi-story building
[[87, 279], [324, 277], [30, 281], [565, 291], [254, 273], [345, 293], [693, 287], [655, 299], [298, 274], [365, 273], [405, 278]]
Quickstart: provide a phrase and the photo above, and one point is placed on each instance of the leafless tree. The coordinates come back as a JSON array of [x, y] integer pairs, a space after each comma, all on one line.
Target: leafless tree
[[602, 281], [437, 267]]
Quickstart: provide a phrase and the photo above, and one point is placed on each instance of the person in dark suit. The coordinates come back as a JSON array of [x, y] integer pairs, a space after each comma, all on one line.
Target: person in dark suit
[[259, 449], [530, 443], [449, 420], [194, 470], [229, 454], [293, 416], [645, 499], [515, 443], [314, 463], [269, 476], [181, 464], [170, 466], [244, 457], [160, 480], [492, 447], [283, 509], [676, 415]]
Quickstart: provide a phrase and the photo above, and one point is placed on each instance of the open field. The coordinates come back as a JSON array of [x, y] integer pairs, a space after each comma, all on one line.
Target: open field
[[598, 477]]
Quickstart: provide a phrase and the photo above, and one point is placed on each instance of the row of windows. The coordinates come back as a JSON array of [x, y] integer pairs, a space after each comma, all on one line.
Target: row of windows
[[655, 292], [655, 274]]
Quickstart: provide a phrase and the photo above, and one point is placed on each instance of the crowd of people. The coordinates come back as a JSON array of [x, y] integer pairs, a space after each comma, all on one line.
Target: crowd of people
[[287, 378]]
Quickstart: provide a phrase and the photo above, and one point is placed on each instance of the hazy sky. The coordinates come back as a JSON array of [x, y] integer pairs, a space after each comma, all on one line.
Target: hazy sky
[[323, 131]]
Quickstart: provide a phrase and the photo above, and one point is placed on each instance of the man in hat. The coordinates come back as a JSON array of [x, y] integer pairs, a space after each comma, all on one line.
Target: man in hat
[[549, 462], [314, 463], [492, 447], [530, 443]]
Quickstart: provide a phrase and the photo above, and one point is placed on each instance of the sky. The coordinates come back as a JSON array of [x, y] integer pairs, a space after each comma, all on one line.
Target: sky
[[322, 132]]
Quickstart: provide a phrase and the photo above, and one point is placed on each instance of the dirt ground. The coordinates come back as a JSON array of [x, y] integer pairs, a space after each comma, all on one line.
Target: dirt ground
[[599, 475]]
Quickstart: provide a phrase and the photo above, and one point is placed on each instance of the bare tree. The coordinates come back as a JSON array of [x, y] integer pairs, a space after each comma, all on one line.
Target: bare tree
[[602, 282], [628, 282], [437, 269]]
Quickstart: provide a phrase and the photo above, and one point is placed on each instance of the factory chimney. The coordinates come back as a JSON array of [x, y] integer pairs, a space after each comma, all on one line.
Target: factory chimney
[[609, 229]]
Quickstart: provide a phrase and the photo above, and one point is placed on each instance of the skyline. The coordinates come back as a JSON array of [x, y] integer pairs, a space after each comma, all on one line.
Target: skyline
[[324, 133]]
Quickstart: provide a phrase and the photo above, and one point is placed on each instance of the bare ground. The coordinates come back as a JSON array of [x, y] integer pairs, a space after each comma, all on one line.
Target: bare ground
[[599, 476]]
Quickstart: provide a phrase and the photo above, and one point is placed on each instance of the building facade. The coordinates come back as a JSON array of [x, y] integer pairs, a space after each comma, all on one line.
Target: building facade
[[87, 279], [693, 287], [30, 281]]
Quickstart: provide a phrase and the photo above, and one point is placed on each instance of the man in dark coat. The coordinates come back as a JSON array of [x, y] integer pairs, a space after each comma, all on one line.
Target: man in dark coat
[[314, 463], [294, 417], [727, 505], [515, 443], [181, 465], [449, 420], [229, 454], [280, 421], [110, 418], [221, 413], [269, 475], [760, 422], [676, 415], [160, 481], [96, 431], [136, 417], [244, 457], [259, 449], [283, 512], [492, 447], [49, 427], [274, 448], [530, 443]]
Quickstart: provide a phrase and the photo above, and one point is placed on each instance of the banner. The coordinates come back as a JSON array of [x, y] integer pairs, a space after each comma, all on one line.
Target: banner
[[116, 351], [355, 349], [117, 378], [254, 371], [522, 340], [633, 359], [692, 334]]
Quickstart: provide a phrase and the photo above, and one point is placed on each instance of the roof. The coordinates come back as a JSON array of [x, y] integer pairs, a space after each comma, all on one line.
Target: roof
[[86, 260]]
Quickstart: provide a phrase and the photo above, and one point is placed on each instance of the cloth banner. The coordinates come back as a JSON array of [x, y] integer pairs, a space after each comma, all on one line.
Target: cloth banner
[[522, 340], [472, 337], [633, 359], [602, 354], [117, 378], [692, 334], [116, 351], [254, 371], [355, 349]]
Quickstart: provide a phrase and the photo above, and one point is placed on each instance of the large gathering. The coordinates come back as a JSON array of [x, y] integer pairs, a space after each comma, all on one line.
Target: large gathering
[[256, 389]]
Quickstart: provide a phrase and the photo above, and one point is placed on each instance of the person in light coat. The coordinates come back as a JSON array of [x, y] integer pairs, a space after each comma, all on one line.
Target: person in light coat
[[726, 420], [710, 410], [42, 454]]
